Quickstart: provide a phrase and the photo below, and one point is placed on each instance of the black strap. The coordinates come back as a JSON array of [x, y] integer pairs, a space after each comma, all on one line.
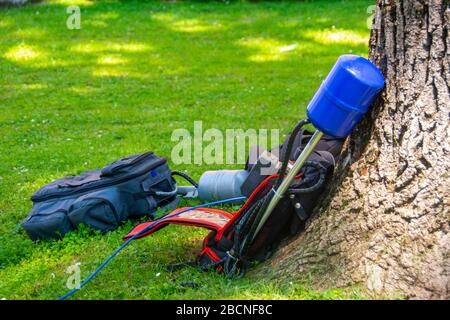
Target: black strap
[[247, 225], [288, 150], [318, 184], [186, 177]]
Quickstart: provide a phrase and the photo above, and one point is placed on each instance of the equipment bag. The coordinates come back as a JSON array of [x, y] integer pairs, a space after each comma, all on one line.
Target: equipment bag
[[236, 246], [228, 247], [127, 188]]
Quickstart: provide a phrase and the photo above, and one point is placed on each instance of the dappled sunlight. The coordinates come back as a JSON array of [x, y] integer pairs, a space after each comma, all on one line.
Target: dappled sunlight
[[84, 3], [268, 49], [337, 36], [82, 90], [30, 33], [100, 20], [288, 48], [290, 23], [194, 25], [31, 57], [94, 23], [102, 46], [187, 25], [106, 16], [26, 86], [112, 60], [5, 22], [23, 53], [55, 62], [115, 72]]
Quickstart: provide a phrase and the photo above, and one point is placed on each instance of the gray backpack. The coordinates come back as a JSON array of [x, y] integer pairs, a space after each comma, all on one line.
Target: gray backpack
[[131, 187]]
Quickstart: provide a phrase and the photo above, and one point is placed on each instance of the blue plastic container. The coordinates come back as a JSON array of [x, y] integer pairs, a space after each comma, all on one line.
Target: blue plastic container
[[345, 95]]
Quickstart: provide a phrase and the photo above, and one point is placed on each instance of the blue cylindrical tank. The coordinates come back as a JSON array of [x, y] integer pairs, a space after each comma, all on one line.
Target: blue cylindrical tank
[[345, 95]]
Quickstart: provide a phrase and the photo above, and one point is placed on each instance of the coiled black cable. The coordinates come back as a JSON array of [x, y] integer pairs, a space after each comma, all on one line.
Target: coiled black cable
[[288, 151], [322, 176], [186, 177], [246, 226], [244, 244]]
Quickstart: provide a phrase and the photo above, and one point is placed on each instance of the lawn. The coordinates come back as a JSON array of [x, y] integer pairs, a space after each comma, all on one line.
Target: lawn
[[72, 100]]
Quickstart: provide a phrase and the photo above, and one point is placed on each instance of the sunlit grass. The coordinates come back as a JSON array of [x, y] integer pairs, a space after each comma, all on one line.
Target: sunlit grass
[[268, 49], [112, 60], [338, 36], [30, 33], [82, 90], [73, 100], [5, 23], [102, 46], [115, 72], [186, 25], [25, 86], [194, 25], [23, 53], [84, 3]]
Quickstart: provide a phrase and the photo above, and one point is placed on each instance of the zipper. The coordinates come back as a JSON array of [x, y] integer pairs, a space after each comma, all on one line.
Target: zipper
[[99, 185], [43, 214], [120, 166]]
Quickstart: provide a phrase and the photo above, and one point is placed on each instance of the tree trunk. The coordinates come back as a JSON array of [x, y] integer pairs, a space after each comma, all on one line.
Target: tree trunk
[[385, 221]]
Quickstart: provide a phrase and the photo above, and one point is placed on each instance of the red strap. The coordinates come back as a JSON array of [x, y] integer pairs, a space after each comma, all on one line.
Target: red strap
[[212, 219], [208, 218], [246, 204]]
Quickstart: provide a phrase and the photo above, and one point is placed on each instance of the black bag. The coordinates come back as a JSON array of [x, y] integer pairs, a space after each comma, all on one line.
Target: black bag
[[127, 188], [233, 249]]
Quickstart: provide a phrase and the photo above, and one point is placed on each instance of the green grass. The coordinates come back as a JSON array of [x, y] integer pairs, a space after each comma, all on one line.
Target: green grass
[[72, 100]]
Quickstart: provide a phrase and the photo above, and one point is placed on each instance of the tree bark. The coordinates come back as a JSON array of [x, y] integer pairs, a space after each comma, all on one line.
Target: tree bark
[[385, 221]]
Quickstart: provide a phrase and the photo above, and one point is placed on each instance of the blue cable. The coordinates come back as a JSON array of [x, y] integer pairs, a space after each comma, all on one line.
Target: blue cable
[[136, 235]]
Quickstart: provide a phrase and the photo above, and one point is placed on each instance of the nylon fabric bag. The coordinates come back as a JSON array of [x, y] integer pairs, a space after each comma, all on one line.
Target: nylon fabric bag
[[130, 187]]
